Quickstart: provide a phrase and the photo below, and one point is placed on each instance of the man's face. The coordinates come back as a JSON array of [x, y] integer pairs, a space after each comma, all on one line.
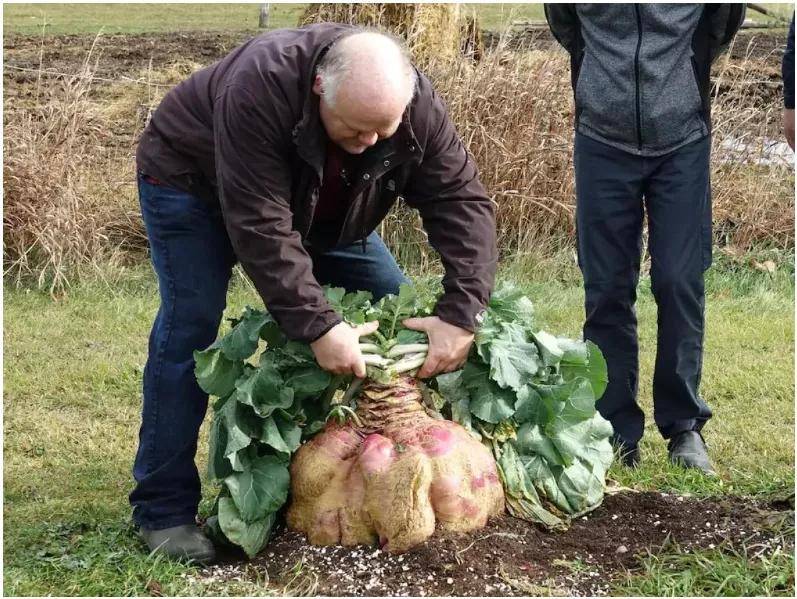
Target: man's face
[[355, 124]]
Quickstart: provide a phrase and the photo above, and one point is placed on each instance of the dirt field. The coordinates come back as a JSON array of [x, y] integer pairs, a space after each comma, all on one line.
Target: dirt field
[[125, 55], [512, 558]]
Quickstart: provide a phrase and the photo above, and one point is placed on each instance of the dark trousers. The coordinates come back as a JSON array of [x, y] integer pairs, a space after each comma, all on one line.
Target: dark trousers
[[614, 190], [193, 260]]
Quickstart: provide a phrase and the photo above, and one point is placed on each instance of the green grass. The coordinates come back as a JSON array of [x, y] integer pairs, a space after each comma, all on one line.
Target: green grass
[[89, 18], [72, 375], [724, 571], [142, 18]]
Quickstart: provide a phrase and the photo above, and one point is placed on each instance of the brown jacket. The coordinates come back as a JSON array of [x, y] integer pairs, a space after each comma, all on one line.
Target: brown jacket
[[245, 133]]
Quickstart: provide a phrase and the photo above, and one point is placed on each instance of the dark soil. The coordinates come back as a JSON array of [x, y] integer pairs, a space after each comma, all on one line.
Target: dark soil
[[118, 53], [513, 558], [755, 43], [126, 53]]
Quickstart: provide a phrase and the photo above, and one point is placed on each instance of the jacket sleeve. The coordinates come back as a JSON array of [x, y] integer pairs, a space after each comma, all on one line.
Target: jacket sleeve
[[788, 69], [725, 20], [458, 218], [563, 22], [254, 184]]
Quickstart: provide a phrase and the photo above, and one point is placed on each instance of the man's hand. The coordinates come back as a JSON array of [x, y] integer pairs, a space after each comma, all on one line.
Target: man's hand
[[788, 126], [338, 350], [448, 345]]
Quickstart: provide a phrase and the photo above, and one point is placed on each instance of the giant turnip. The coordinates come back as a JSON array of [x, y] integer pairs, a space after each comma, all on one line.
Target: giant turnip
[[390, 459]]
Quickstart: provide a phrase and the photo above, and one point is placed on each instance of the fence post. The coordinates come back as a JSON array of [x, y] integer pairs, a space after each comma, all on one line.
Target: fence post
[[264, 11]]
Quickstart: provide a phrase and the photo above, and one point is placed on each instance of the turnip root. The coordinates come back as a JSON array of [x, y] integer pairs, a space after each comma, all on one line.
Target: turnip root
[[392, 474]]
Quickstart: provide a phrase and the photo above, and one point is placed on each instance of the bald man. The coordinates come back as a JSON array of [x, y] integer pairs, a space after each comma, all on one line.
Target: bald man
[[285, 156]]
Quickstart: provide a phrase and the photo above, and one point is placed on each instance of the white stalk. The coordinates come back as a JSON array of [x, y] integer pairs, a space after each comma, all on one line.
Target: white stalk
[[375, 360], [410, 348], [370, 348], [408, 364]]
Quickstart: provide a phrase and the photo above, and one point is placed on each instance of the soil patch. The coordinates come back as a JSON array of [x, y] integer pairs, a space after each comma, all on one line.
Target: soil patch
[[512, 558]]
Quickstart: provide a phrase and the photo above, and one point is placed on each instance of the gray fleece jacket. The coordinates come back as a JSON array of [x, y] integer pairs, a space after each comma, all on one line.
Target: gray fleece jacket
[[640, 72]]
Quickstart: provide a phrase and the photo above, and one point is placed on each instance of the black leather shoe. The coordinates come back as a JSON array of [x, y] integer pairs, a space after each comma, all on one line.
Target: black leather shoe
[[688, 449], [185, 542]]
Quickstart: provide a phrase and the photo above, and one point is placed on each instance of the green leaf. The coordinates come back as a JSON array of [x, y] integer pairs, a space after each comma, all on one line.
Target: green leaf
[[541, 472], [582, 482], [334, 296], [487, 400], [238, 432], [573, 352], [549, 348], [513, 359], [250, 536], [565, 407], [595, 370], [354, 306], [532, 441], [215, 373], [409, 337], [528, 405], [271, 333], [281, 432], [454, 392], [521, 497], [261, 490], [264, 390], [509, 304], [308, 381], [241, 341], [395, 308], [218, 466]]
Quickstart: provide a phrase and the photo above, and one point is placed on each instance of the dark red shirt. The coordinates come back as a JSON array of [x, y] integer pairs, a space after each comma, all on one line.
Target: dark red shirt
[[332, 198]]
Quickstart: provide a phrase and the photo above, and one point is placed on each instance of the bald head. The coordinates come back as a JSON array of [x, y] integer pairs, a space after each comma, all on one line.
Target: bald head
[[367, 65], [365, 82]]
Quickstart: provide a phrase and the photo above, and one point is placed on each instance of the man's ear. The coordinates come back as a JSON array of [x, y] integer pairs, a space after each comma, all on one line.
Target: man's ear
[[318, 88]]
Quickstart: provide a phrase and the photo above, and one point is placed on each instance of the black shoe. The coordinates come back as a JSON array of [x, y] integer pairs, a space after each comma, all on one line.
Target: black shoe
[[688, 449], [185, 542], [628, 454]]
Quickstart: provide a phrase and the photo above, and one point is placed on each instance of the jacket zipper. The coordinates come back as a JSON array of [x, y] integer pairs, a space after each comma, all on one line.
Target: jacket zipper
[[636, 73], [358, 188]]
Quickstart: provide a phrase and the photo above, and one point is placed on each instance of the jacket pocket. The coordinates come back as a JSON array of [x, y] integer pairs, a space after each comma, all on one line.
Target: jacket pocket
[[605, 100]]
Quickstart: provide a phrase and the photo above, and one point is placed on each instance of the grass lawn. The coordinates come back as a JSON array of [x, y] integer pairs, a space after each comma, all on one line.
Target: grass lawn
[[89, 18], [140, 18], [72, 375]]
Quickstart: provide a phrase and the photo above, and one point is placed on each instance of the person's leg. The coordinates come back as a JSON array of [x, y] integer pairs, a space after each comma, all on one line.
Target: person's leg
[[374, 270], [679, 209], [193, 260], [609, 214]]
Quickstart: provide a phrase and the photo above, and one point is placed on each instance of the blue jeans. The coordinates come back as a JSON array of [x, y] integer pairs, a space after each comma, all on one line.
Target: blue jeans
[[614, 189], [193, 260]]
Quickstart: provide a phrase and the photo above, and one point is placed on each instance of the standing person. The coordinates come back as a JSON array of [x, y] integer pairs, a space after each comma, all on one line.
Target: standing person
[[788, 87], [640, 76], [285, 156]]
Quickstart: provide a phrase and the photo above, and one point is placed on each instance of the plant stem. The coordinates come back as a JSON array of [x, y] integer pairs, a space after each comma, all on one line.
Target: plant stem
[[409, 348], [410, 363]]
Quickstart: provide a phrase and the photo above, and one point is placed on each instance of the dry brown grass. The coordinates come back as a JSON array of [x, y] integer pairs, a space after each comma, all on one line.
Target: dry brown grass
[[432, 31], [753, 202], [51, 223], [70, 201]]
